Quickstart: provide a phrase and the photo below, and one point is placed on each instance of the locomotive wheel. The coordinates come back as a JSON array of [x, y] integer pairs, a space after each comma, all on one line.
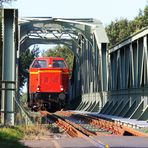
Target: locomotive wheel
[[62, 96], [37, 96]]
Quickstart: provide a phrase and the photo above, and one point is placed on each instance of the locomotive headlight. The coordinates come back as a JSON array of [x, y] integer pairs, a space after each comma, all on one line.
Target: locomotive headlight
[[38, 88], [62, 88]]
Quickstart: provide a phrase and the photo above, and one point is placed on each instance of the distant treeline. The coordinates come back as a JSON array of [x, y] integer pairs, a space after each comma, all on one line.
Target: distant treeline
[[119, 29]]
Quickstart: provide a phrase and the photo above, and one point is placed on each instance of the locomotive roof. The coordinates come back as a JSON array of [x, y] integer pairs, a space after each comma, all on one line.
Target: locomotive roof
[[49, 58]]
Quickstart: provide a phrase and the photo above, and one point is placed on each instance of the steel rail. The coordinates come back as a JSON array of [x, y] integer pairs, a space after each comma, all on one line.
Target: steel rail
[[73, 129], [102, 124], [102, 132], [115, 128], [119, 129]]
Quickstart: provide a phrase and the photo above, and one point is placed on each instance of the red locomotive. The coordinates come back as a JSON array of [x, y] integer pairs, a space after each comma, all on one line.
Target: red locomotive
[[48, 83]]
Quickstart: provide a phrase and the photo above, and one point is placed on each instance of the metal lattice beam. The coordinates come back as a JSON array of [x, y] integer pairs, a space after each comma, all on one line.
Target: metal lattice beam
[[88, 41]]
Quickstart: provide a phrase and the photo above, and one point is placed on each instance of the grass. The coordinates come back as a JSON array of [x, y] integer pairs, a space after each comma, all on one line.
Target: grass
[[145, 130], [35, 132], [10, 136]]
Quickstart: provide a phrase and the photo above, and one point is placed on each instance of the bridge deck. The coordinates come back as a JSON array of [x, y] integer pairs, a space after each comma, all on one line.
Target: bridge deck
[[130, 122]]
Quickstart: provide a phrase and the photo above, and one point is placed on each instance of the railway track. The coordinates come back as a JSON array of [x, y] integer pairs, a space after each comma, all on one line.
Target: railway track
[[87, 127], [110, 127]]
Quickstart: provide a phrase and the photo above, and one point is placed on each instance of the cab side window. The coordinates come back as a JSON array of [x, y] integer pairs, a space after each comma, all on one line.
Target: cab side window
[[58, 64], [39, 64], [55, 64]]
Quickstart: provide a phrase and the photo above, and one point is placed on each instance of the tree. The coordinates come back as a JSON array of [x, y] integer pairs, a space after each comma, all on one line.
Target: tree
[[117, 30], [25, 60], [1, 46], [120, 29], [140, 21]]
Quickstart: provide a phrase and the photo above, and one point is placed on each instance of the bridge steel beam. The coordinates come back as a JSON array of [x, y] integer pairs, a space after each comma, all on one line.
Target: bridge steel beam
[[10, 45], [129, 74], [89, 44]]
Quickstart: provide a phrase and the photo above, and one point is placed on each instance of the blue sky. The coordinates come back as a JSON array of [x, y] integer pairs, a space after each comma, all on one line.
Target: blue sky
[[104, 10]]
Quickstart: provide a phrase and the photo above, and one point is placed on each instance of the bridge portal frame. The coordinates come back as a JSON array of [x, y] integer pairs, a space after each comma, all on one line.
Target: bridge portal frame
[[88, 41]]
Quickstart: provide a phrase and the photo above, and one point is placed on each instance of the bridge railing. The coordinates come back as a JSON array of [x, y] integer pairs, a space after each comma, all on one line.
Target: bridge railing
[[128, 77]]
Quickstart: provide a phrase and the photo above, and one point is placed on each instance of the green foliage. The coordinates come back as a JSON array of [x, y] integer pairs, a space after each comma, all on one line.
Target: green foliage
[[144, 130], [25, 60], [23, 98], [119, 29], [11, 134], [61, 51], [0, 46]]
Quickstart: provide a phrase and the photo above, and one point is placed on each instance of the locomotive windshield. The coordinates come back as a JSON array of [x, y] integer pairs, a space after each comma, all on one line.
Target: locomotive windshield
[[40, 64], [58, 64]]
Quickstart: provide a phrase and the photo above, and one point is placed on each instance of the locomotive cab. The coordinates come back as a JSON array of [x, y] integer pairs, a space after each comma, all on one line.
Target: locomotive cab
[[48, 83]]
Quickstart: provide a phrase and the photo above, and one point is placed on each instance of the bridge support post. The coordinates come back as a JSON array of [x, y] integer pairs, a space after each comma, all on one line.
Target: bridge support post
[[10, 44]]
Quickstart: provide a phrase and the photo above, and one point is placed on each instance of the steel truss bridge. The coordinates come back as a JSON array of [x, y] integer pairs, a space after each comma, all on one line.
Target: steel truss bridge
[[128, 78], [110, 81]]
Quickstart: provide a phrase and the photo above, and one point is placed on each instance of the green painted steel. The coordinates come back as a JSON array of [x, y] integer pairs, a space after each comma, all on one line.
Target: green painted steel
[[110, 81], [124, 109], [104, 108], [130, 110], [128, 79], [118, 108], [113, 107], [144, 115], [108, 108], [86, 38], [96, 107], [138, 111], [10, 46]]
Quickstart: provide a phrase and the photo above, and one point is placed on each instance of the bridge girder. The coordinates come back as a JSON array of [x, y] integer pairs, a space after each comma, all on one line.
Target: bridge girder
[[85, 37], [128, 73], [88, 41]]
